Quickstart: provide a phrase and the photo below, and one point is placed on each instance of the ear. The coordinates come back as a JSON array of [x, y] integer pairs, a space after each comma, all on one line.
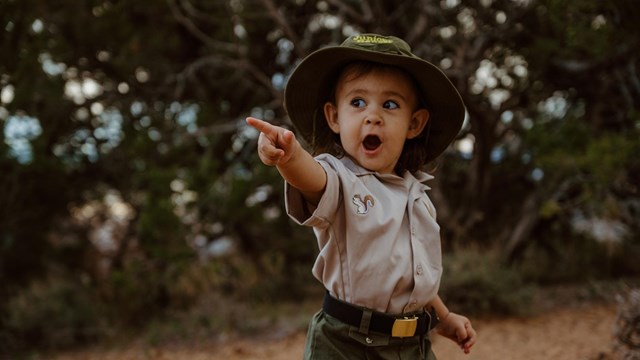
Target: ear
[[418, 121], [331, 114]]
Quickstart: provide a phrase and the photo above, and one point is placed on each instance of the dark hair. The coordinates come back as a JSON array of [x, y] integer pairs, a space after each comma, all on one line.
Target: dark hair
[[414, 152]]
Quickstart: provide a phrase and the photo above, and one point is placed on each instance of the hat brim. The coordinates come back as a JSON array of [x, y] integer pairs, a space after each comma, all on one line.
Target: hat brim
[[308, 88]]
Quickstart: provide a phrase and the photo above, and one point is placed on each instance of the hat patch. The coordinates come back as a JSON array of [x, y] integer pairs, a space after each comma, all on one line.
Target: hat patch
[[370, 39]]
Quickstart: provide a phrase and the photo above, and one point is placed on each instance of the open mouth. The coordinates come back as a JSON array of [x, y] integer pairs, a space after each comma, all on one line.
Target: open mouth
[[371, 142]]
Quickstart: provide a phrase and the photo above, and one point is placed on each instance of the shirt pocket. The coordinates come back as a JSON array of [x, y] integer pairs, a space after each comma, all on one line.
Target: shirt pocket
[[428, 233]]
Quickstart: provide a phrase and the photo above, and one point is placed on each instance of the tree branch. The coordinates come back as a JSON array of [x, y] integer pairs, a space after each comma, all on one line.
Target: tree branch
[[420, 26], [200, 35], [260, 76], [365, 17], [284, 25]]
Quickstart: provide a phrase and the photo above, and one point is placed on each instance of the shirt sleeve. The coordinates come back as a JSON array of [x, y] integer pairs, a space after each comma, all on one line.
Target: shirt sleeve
[[322, 215]]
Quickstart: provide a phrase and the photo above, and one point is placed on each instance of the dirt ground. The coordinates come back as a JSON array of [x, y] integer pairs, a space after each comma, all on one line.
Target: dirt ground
[[580, 332]]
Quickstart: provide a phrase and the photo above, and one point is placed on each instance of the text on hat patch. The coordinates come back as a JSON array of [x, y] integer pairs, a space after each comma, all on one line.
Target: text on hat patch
[[371, 39]]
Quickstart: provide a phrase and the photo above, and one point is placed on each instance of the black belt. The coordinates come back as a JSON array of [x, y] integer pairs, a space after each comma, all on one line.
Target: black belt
[[397, 326]]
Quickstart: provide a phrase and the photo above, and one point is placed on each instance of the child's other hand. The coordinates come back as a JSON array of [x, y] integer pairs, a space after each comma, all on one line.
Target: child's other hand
[[458, 328], [275, 144]]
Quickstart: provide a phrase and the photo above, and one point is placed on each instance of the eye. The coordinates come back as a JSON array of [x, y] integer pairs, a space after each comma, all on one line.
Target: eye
[[359, 103], [389, 104]]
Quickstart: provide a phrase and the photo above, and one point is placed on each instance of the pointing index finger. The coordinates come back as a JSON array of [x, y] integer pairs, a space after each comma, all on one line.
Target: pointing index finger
[[260, 125]]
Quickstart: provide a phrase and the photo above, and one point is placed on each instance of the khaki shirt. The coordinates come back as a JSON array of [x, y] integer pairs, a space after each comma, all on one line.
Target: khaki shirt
[[378, 237]]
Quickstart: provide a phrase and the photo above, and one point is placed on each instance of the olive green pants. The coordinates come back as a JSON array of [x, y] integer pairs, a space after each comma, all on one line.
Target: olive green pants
[[329, 338]]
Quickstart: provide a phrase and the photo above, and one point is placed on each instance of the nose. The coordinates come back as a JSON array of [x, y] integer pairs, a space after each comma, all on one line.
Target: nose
[[373, 118]]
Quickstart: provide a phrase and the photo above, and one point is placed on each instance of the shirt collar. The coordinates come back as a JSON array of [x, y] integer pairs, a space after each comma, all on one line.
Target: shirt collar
[[418, 176]]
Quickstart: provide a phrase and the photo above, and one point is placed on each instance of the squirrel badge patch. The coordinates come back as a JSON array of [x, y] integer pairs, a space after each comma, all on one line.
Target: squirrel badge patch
[[363, 205]]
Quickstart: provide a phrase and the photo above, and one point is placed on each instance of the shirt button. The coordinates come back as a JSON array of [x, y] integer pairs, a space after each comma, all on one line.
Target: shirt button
[[419, 270], [369, 340]]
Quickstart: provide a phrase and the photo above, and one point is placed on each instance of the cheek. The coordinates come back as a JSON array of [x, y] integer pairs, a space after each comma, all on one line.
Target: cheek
[[346, 123], [349, 136], [348, 133]]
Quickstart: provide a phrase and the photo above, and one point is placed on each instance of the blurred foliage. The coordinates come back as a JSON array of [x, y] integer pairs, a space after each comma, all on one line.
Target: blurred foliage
[[481, 285], [52, 313], [127, 171]]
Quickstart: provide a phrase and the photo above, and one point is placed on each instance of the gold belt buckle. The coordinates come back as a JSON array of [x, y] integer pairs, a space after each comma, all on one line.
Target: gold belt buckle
[[404, 327]]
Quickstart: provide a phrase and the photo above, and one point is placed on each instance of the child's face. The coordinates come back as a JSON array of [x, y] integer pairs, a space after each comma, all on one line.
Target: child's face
[[374, 114]]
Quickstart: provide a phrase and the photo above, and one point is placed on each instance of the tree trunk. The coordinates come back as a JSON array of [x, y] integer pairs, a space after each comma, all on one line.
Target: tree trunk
[[520, 236]]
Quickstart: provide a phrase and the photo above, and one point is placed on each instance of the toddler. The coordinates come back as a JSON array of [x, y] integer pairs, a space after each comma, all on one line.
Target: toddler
[[372, 114]]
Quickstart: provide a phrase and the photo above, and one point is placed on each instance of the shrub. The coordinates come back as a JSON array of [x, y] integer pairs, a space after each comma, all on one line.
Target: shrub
[[479, 284], [55, 313]]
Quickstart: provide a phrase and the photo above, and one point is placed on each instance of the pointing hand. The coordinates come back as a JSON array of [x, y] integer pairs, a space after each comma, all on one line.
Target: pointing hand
[[275, 144]]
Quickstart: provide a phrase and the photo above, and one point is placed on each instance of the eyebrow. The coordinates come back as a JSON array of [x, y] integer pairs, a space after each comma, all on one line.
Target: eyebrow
[[397, 94], [389, 93]]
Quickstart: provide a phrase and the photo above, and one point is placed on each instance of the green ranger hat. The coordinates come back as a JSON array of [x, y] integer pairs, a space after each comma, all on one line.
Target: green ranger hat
[[309, 87]]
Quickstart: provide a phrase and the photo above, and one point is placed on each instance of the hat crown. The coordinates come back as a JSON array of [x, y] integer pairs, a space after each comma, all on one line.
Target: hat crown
[[379, 43]]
